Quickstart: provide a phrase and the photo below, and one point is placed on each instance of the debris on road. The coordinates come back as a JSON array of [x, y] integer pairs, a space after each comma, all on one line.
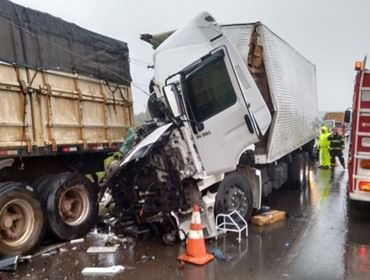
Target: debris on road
[[145, 258], [51, 253], [269, 217], [112, 270], [265, 209], [102, 249], [220, 255], [77, 241], [11, 263], [51, 248], [55, 249], [116, 240], [297, 216], [62, 250]]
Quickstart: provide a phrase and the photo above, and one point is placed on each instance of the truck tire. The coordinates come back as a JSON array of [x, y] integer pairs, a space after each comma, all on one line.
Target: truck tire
[[22, 224], [234, 193], [41, 186], [311, 149], [307, 167], [170, 238], [70, 202], [297, 171]]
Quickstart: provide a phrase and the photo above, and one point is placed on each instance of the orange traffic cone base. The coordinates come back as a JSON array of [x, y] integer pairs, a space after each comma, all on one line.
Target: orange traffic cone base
[[196, 260]]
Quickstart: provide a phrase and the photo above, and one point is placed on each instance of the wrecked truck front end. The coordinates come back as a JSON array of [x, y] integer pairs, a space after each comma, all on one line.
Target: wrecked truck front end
[[151, 187]]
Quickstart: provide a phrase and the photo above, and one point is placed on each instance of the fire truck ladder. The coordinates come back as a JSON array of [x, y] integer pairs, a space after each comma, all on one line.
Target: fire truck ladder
[[358, 134]]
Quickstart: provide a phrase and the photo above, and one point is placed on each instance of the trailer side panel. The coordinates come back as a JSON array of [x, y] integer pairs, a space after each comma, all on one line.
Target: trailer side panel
[[292, 83], [52, 110]]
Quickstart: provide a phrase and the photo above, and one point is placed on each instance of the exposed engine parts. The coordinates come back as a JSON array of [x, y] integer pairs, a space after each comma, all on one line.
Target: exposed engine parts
[[153, 185]]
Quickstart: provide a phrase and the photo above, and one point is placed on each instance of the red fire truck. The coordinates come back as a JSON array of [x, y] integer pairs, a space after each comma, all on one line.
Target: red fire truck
[[359, 148]]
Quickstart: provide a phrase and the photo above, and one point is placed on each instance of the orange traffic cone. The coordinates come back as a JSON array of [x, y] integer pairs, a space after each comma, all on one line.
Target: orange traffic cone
[[195, 246]]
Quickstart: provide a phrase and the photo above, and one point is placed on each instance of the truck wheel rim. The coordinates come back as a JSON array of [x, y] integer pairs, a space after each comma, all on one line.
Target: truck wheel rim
[[74, 205], [17, 222], [235, 199]]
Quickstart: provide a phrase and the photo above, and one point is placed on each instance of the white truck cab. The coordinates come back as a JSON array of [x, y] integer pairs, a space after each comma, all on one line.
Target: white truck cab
[[214, 91], [235, 116]]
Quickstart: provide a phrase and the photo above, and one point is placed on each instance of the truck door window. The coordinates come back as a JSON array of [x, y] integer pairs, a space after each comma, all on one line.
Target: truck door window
[[210, 90]]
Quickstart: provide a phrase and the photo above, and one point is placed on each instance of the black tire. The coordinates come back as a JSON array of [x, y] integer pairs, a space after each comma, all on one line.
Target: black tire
[[42, 186], [236, 186], [80, 197], [307, 167], [170, 238], [311, 149], [27, 227], [297, 171]]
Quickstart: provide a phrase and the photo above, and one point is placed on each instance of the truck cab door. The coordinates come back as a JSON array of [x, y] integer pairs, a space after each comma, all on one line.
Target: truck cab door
[[219, 113]]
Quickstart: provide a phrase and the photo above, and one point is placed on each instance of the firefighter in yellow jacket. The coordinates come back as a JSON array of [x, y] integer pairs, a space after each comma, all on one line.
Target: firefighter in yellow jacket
[[324, 148]]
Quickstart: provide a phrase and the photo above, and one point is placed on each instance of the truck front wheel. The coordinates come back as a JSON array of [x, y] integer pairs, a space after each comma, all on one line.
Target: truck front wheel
[[21, 220], [234, 193]]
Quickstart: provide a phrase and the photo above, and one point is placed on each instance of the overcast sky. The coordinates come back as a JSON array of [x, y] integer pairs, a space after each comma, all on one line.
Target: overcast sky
[[333, 34]]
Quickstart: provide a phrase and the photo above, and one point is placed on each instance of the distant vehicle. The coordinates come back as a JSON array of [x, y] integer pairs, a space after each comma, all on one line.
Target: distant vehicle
[[359, 148], [330, 124], [335, 119]]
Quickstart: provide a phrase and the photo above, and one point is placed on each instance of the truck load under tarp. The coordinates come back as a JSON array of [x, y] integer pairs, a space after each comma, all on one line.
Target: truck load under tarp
[[35, 39]]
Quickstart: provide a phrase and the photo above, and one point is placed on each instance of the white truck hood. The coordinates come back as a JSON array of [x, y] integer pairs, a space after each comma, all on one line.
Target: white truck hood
[[143, 146]]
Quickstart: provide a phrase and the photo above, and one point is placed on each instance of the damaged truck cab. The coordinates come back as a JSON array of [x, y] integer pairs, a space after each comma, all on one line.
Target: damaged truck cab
[[211, 141]]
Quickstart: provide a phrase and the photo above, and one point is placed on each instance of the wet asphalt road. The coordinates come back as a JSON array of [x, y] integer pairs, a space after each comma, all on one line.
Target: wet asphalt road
[[323, 238]]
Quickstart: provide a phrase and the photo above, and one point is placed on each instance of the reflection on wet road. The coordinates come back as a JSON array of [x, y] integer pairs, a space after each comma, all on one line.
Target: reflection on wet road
[[323, 237], [320, 248]]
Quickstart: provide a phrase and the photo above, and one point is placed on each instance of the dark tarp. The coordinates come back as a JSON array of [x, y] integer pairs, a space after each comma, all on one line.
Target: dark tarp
[[34, 39]]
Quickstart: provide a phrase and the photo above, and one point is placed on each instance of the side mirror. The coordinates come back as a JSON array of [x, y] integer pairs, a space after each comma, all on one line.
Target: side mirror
[[173, 99], [347, 116]]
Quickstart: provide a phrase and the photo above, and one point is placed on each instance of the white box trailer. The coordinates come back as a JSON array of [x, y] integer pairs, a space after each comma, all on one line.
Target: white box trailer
[[237, 111], [292, 90]]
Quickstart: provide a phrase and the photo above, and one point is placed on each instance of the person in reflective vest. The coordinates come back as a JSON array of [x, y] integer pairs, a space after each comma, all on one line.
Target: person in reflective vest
[[336, 147], [323, 147]]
